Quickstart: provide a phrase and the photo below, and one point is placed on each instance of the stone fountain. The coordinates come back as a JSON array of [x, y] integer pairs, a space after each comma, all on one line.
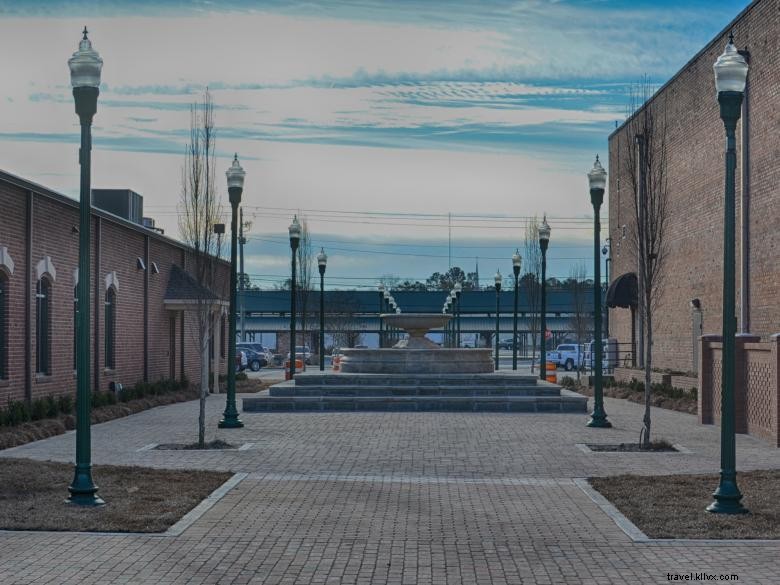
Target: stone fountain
[[416, 375], [417, 354]]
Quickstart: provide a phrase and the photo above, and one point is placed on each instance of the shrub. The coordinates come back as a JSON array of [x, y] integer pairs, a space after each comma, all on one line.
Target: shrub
[[241, 376], [38, 409], [567, 382]]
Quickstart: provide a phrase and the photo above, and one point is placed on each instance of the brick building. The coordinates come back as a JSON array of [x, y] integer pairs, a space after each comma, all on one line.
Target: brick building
[[143, 325], [691, 301]]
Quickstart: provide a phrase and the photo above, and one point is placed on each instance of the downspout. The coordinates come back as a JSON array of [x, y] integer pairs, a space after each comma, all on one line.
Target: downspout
[[147, 270], [28, 301], [744, 268]]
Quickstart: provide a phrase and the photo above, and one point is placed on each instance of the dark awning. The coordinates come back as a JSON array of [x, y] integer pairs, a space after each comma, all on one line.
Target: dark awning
[[623, 291]]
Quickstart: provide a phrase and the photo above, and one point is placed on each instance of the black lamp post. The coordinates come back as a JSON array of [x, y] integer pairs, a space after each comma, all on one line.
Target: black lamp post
[[607, 251], [458, 291], [497, 280], [381, 288], [516, 263], [295, 238], [322, 262], [731, 71], [544, 240], [235, 179], [597, 178], [85, 66]]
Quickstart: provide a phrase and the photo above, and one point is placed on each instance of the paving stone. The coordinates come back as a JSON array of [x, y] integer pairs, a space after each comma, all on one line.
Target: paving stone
[[391, 497]]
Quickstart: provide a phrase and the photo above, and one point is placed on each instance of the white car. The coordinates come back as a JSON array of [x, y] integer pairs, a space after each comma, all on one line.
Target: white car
[[568, 355], [302, 352]]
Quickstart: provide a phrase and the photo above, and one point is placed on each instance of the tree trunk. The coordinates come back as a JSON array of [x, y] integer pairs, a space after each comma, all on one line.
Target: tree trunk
[[204, 387], [648, 384]]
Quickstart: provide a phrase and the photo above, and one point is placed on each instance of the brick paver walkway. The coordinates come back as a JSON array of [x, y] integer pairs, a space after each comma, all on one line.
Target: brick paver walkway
[[402, 498]]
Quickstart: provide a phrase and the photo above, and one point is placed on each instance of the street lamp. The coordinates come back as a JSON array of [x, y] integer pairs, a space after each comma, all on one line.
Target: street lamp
[[544, 240], [607, 251], [235, 180], [85, 66], [458, 290], [322, 262], [516, 263], [731, 71], [597, 178], [497, 278], [295, 238], [381, 288]]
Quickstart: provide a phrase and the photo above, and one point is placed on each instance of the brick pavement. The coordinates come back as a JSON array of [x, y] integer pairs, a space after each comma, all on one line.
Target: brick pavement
[[396, 498]]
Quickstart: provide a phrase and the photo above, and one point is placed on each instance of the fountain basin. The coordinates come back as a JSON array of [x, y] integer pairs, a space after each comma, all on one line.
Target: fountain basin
[[416, 325], [417, 361]]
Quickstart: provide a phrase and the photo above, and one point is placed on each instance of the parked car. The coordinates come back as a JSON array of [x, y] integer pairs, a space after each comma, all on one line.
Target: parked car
[[567, 355], [302, 352], [255, 360], [255, 347], [505, 343]]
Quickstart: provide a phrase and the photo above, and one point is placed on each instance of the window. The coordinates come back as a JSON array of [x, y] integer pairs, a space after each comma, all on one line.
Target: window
[[3, 326], [43, 326], [110, 328]]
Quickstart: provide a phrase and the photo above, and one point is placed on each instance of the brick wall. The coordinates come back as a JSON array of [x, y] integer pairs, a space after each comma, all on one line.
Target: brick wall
[[695, 170], [116, 247], [756, 388]]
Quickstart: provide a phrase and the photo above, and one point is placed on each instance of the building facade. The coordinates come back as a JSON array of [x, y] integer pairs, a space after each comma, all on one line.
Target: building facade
[[143, 327], [690, 303]]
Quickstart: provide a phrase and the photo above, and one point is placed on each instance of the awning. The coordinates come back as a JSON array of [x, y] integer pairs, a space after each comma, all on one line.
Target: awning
[[623, 291]]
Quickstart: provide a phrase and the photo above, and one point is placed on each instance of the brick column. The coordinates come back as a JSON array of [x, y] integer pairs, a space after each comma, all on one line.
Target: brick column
[[705, 378], [774, 402], [741, 380]]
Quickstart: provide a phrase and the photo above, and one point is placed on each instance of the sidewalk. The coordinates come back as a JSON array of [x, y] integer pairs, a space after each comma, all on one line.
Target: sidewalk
[[393, 498]]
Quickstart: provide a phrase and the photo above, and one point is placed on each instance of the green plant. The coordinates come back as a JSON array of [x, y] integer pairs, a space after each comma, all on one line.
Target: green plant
[[241, 376]]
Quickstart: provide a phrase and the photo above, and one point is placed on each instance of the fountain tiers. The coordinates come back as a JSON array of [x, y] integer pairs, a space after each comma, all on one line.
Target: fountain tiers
[[417, 354]]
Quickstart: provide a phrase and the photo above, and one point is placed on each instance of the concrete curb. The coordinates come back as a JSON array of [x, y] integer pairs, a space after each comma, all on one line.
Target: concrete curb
[[193, 515]]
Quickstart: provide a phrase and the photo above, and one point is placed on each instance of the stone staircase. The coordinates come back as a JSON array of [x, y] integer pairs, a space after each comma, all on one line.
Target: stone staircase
[[340, 391]]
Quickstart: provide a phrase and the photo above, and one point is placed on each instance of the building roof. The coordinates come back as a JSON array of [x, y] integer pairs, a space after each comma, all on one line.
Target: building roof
[[559, 300], [182, 286]]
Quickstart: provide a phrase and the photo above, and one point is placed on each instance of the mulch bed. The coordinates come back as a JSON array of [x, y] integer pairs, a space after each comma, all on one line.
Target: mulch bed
[[687, 405], [654, 447], [673, 506], [215, 444], [33, 497]]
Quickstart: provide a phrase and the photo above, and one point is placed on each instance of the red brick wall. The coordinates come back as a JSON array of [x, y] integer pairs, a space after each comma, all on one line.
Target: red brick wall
[[13, 203], [695, 168], [53, 221]]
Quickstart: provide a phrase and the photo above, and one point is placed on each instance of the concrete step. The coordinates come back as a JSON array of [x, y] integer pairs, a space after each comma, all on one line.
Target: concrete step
[[566, 402], [494, 379], [464, 390]]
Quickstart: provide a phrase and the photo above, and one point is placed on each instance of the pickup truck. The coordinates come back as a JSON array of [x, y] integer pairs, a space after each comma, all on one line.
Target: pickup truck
[[568, 355]]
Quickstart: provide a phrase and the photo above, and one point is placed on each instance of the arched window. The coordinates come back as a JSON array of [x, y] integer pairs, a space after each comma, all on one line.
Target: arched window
[[3, 326], [43, 326], [110, 328]]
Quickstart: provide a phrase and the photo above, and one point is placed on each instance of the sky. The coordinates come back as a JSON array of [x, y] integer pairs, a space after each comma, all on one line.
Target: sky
[[411, 135]]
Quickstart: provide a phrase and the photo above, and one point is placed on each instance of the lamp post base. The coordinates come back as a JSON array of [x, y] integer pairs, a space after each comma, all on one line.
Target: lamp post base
[[230, 421], [727, 500], [599, 421], [83, 491]]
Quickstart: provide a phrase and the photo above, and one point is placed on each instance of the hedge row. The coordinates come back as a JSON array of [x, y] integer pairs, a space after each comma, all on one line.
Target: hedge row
[[18, 411]]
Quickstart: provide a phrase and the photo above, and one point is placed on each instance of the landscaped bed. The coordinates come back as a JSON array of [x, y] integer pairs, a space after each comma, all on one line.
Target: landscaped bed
[[33, 497], [669, 399], [55, 417], [673, 506]]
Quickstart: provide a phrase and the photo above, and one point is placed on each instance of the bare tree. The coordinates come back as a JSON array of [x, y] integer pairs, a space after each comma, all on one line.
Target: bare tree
[[581, 321], [645, 165], [342, 322], [303, 278], [532, 261], [199, 210]]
